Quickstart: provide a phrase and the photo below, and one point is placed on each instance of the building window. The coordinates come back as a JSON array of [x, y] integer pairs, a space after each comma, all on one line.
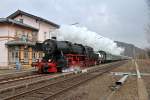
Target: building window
[[16, 55], [45, 35], [40, 54], [13, 55], [26, 55], [34, 36], [50, 35], [21, 20], [36, 20], [24, 37], [34, 56], [29, 36]]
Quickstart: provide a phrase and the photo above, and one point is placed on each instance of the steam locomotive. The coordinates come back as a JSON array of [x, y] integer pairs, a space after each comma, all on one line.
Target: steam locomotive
[[59, 55]]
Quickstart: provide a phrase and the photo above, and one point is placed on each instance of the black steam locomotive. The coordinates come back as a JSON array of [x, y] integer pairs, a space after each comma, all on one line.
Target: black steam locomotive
[[64, 54]]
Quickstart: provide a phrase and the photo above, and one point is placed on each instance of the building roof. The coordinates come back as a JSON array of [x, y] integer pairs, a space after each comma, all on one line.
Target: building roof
[[14, 43], [7, 20], [19, 12]]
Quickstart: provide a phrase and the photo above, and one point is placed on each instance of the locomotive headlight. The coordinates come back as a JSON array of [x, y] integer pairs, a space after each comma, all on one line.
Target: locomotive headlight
[[49, 60], [37, 60]]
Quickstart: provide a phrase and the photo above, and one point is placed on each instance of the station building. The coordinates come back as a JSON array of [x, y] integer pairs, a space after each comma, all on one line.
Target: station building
[[19, 32]]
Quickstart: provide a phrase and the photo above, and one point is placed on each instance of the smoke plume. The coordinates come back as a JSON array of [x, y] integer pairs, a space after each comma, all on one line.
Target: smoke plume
[[86, 37]]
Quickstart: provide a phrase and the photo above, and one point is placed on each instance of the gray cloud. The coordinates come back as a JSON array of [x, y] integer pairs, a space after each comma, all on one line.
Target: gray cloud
[[122, 20]]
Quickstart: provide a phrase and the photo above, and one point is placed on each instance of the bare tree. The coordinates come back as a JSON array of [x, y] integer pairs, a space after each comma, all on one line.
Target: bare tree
[[148, 33], [148, 30], [148, 26]]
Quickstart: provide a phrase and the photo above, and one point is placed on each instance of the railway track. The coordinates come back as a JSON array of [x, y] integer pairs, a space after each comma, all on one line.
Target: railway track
[[5, 81], [5, 84], [16, 75], [14, 85], [50, 89]]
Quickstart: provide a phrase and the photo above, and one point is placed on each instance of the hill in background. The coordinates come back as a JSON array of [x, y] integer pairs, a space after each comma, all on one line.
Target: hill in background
[[131, 50]]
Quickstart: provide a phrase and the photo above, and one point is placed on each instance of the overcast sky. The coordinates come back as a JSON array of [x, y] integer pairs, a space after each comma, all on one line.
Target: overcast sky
[[121, 20]]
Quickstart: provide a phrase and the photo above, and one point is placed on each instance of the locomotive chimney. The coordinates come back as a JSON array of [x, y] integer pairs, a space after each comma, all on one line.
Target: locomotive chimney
[[54, 38]]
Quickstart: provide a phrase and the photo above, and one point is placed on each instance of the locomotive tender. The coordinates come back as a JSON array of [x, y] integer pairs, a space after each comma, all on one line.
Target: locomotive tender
[[60, 55]]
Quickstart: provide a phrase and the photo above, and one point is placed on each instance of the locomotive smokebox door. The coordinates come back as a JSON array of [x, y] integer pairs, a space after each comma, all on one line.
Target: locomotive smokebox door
[[49, 46]]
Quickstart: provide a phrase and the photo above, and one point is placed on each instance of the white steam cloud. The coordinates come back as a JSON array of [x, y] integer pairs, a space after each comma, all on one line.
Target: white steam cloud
[[86, 37]]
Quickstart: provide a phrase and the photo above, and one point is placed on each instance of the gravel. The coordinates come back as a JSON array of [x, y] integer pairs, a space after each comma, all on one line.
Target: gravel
[[144, 66]]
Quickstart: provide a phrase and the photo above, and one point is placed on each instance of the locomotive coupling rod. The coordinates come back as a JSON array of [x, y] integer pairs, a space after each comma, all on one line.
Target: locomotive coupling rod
[[122, 80]]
